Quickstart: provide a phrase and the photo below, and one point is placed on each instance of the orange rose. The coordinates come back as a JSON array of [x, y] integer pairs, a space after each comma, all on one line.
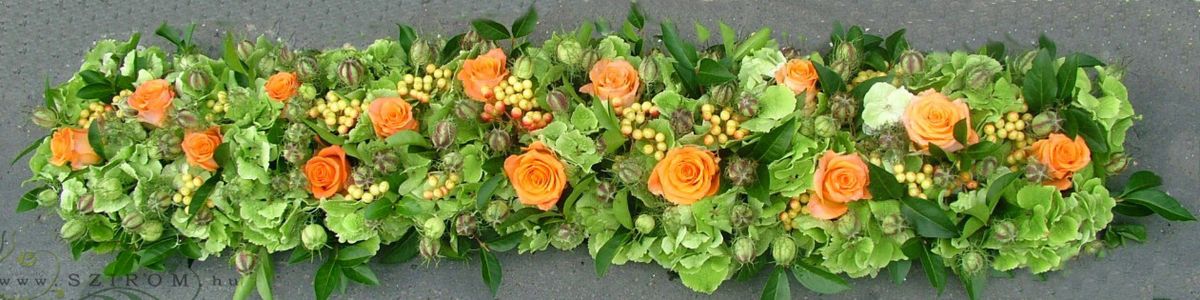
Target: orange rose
[[328, 172], [685, 175], [282, 86], [151, 100], [799, 75], [537, 176], [391, 115], [840, 179], [480, 75], [930, 119], [199, 147], [1062, 157], [71, 145], [613, 80]]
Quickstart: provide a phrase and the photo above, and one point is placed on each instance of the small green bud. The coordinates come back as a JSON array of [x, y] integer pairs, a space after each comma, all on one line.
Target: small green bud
[[47, 197], [523, 68], [847, 225], [420, 54], [84, 204], [151, 231], [569, 52], [244, 262], [496, 211], [286, 56], [824, 126], [307, 68], [1036, 172], [844, 108], [588, 59], [892, 224], [558, 102], [72, 229], [722, 95], [429, 248], [808, 127], [748, 106], [244, 50], [499, 140], [465, 225], [313, 236], [979, 78], [443, 134], [630, 171], [743, 250], [783, 250], [132, 221], [266, 65], [648, 70], [433, 227], [45, 117], [351, 71], [682, 122], [971, 262], [198, 81], [644, 223], [741, 216], [1117, 163], [605, 191], [467, 110]]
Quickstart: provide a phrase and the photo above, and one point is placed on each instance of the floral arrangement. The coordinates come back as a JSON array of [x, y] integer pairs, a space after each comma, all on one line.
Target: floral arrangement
[[714, 159]]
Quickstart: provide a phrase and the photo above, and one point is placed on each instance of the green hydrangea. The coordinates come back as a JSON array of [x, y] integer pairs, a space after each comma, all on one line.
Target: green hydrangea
[[858, 244], [758, 68], [1051, 228]]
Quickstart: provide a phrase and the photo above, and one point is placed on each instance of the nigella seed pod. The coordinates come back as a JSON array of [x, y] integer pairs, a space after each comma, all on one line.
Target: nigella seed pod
[[470, 39], [1004, 231], [892, 224], [452, 162], [266, 65], [465, 224], [847, 225], [433, 228], [644, 223], [971, 262], [1036, 172], [843, 68], [979, 78], [420, 54], [496, 211], [188, 120], [443, 134], [198, 81], [911, 62], [132, 221], [1094, 247], [741, 216], [630, 171], [429, 248], [791, 53], [307, 68], [648, 70], [682, 123], [85, 203], [1117, 163], [245, 49], [1045, 123], [986, 165], [605, 191], [467, 110], [844, 108], [808, 127], [244, 262], [286, 56], [741, 171], [498, 140], [601, 146], [523, 68], [350, 71], [72, 229], [363, 175], [569, 52], [45, 117], [748, 106], [385, 161], [743, 250], [1025, 62], [151, 231], [558, 101], [313, 236], [846, 52], [567, 236], [589, 58], [783, 250], [722, 95], [203, 217], [824, 126]]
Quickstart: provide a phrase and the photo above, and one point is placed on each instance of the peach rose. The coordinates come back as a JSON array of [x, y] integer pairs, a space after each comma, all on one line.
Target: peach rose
[[199, 147], [282, 86], [1062, 157], [391, 115], [930, 119], [480, 75], [328, 172], [71, 145], [151, 100], [537, 176], [799, 75], [840, 179], [613, 80], [686, 175]]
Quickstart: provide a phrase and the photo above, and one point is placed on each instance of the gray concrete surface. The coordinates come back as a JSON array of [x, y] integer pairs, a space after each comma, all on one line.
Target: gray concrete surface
[[40, 39]]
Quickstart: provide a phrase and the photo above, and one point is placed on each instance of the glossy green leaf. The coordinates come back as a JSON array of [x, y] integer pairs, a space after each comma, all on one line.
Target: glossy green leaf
[[327, 279], [401, 251], [605, 256], [1162, 204], [928, 218], [884, 185], [778, 287], [525, 24], [200, 196], [831, 82], [713, 73], [29, 199], [486, 191], [492, 273], [490, 30], [361, 273], [817, 279], [1141, 180], [28, 149]]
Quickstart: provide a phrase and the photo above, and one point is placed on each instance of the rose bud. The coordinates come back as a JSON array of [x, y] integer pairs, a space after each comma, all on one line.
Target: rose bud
[[132, 221], [45, 118], [570, 52], [743, 250], [682, 122], [558, 101], [350, 71], [644, 223], [741, 216], [911, 62], [567, 237], [313, 236], [307, 68], [429, 248], [443, 134], [151, 231], [420, 54], [244, 262], [244, 49], [496, 212], [783, 250], [84, 204], [72, 229], [498, 140], [464, 225]]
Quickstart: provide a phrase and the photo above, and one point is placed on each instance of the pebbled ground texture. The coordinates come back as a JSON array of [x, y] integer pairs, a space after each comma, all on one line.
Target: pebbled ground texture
[[1158, 39]]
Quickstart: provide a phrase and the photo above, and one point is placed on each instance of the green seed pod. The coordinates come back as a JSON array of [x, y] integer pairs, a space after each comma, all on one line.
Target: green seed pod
[[588, 59], [630, 171], [846, 52], [72, 230], [429, 248], [198, 81], [351, 72], [443, 134], [644, 223], [85, 203], [313, 236], [1095, 247], [808, 127], [1004, 231], [45, 117], [308, 92], [844, 108], [569, 52], [47, 197], [605, 191], [979, 78], [741, 171], [743, 250], [433, 228], [558, 102], [266, 65], [151, 231], [722, 95], [420, 54], [467, 110], [748, 106], [1045, 123], [682, 122], [307, 68], [452, 162], [523, 68], [892, 224], [244, 50], [1036, 172], [245, 262], [911, 62], [465, 225], [567, 236], [824, 126], [648, 70], [843, 68], [285, 56], [496, 211], [499, 140], [1025, 62], [791, 53], [204, 216], [847, 225], [741, 216], [783, 250], [363, 175], [1117, 163], [132, 221], [971, 262], [470, 39]]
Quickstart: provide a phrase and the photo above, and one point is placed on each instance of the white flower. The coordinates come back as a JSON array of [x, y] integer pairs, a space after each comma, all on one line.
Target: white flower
[[883, 105]]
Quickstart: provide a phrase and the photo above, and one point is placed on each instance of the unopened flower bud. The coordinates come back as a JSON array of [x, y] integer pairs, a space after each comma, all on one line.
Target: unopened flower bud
[[588, 59], [72, 229], [741, 216], [350, 71], [429, 248], [748, 106], [824, 126], [1036, 172], [847, 225], [266, 65], [630, 171], [558, 101], [467, 110], [420, 54], [644, 223], [783, 250], [443, 134], [844, 108], [892, 224], [286, 56], [132, 221], [846, 52], [743, 250], [465, 224], [741, 171], [470, 39], [45, 118], [496, 212], [313, 236], [911, 62], [971, 262], [244, 262], [499, 140], [1117, 163], [433, 228], [979, 78], [569, 52], [722, 94], [151, 231]]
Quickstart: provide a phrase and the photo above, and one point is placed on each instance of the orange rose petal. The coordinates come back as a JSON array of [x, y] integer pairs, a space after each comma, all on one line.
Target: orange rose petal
[[825, 210]]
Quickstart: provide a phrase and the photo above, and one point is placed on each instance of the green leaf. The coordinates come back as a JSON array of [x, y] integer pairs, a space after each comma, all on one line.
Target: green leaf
[[1045, 43], [524, 25], [777, 287], [898, 270], [974, 284], [1081, 122], [328, 278], [883, 184], [451, 49], [28, 149], [406, 37], [492, 274], [620, 206], [200, 196], [685, 58], [245, 286], [401, 251], [378, 210], [702, 33], [486, 190], [29, 199], [1141, 180], [960, 131], [755, 41], [817, 279], [831, 82], [95, 141], [1162, 204], [92, 77], [997, 187], [728, 36], [265, 276], [928, 218], [605, 256], [935, 270], [362, 274], [775, 144], [993, 49], [95, 91], [230, 56], [713, 73], [1067, 73], [490, 30], [635, 16], [505, 242], [124, 264], [1040, 86], [327, 136]]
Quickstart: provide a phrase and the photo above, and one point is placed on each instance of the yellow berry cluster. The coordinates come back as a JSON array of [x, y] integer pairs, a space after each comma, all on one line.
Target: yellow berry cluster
[[188, 185], [1011, 127], [421, 86], [338, 112], [795, 207], [218, 106], [93, 111], [634, 116], [725, 124], [655, 142], [863, 76], [918, 180], [438, 186], [367, 193]]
